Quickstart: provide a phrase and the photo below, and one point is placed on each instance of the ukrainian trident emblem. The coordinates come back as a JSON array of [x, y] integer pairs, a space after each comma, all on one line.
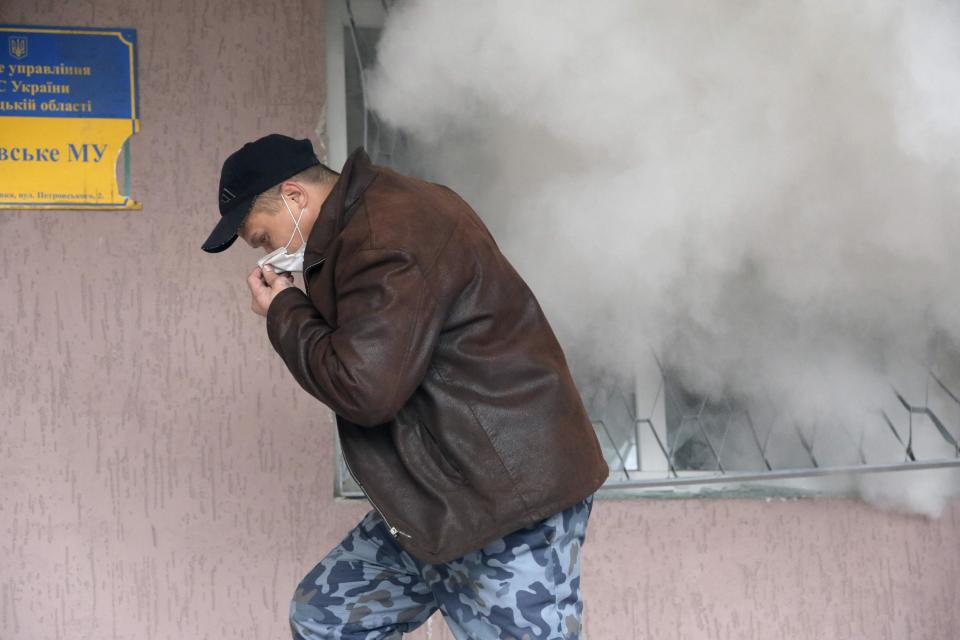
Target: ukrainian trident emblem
[[18, 46]]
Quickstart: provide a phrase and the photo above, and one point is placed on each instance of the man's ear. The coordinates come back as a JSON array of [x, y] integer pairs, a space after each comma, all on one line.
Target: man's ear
[[294, 193]]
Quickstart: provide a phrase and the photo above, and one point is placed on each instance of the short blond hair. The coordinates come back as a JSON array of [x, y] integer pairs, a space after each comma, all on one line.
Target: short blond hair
[[269, 200]]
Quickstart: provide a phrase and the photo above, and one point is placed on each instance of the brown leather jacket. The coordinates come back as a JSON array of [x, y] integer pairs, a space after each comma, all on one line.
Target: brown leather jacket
[[456, 411]]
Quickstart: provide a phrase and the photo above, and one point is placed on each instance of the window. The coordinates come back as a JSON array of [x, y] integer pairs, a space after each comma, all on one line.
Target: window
[[657, 437]]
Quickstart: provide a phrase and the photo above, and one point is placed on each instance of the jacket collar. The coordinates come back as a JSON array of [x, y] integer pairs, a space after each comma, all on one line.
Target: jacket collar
[[355, 177]]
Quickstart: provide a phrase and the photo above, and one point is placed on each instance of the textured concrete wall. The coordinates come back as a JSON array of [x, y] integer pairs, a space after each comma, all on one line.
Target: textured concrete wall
[[755, 570], [162, 476]]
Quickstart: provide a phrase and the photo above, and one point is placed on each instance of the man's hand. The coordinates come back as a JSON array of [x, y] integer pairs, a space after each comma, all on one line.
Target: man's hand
[[264, 285]]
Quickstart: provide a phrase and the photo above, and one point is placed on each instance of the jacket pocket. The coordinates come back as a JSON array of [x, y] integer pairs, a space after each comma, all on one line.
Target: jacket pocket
[[439, 456]]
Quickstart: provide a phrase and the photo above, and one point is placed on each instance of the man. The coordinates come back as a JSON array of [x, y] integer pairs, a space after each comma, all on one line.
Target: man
[[456, 411]]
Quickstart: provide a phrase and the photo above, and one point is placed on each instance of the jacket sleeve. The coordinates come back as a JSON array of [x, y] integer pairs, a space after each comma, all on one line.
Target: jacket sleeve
[[368, 366]]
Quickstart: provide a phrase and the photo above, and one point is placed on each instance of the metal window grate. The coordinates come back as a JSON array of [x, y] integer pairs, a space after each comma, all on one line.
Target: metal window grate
[[659, 435]]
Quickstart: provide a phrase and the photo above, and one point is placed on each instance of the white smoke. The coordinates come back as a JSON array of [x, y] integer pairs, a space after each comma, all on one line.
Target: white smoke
[[765, 193]]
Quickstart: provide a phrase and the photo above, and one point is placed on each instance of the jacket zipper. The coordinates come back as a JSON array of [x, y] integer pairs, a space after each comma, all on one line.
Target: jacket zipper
[[393, 530]]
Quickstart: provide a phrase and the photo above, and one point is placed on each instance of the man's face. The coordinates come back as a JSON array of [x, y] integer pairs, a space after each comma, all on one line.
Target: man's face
[[272, 226], [269, 230]]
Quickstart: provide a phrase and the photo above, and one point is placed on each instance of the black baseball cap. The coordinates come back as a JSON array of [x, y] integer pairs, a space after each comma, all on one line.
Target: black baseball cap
[[247, 173]]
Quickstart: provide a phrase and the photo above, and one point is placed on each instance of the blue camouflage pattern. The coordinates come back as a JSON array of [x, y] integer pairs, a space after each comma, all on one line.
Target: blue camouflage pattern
[[524, 586]]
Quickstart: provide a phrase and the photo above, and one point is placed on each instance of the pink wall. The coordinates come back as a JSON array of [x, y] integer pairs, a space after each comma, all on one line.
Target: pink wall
[[162, 476], [756, 570]]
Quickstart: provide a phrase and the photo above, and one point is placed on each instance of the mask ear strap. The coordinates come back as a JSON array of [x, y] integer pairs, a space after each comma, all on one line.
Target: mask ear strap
[[296, 221], [296, 224]]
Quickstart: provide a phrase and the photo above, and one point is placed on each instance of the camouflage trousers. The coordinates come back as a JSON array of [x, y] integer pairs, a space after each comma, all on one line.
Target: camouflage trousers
[[524, 586]]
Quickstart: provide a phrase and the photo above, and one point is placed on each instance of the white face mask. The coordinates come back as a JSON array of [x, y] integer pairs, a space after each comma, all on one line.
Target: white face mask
[[280, 260]]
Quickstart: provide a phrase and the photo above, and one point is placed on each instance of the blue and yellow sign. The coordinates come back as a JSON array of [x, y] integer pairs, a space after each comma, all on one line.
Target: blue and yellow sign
[[68, 104]]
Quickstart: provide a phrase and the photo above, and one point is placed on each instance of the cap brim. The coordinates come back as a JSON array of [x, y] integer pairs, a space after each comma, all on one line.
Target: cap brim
[[224, 234]]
